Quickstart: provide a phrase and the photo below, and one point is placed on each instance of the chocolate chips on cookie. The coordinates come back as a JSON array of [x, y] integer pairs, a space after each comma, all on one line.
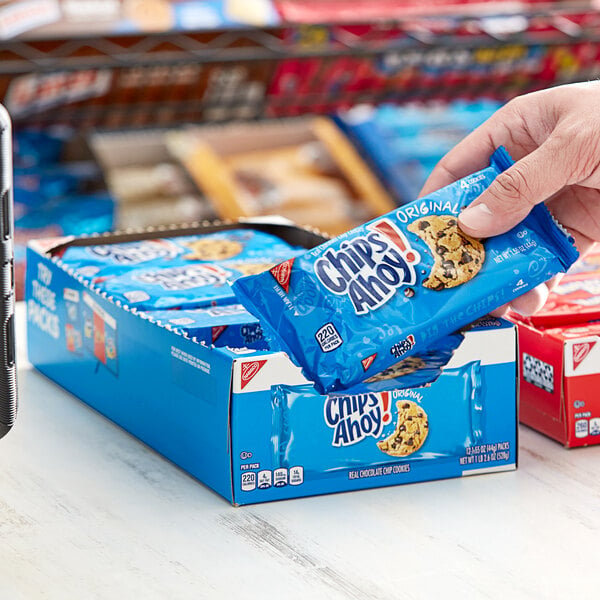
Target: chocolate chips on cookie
[[458, 257]]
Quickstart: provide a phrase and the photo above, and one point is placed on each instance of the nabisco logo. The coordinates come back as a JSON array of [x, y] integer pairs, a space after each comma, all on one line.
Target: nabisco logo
[[217, 331], [282, 273], [367, 362], [249, 371], [580, 351]]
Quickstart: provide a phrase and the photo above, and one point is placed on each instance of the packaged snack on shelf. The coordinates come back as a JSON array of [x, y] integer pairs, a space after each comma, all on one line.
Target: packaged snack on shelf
[[230, 325], [358, 303], [303, 169], [246, 422], [149, 188], [34, 148], [58, 190], [404, 143], [560, 378]]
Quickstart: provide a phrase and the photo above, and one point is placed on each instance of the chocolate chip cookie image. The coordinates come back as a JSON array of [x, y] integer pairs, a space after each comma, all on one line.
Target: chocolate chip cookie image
[[412, 427], [213, 249], [458, 257], [405, 367]]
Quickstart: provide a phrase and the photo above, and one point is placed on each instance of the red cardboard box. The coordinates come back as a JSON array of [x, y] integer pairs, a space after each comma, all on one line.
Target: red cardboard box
[[577, 298], [560, 380]]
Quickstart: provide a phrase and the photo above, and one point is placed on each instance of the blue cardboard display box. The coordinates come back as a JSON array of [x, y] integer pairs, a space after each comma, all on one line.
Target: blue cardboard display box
[[246, 422]]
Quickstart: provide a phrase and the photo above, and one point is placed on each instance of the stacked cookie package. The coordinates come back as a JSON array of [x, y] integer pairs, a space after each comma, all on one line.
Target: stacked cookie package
[[184, 282]]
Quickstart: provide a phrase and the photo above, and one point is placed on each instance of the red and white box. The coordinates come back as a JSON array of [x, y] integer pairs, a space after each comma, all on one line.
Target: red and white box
[[560, 380], [559, 350]]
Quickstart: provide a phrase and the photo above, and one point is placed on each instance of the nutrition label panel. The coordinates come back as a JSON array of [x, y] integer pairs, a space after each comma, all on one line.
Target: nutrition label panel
[[264, 479]]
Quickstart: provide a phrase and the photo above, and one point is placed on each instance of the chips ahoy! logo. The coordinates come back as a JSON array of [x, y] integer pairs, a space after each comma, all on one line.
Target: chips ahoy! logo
[[356, 417], [369, 269], [135, 252]]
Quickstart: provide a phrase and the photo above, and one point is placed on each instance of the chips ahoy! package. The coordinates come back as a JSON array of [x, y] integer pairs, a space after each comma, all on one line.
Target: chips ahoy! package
[[180, 272], [357, 304], [242, 250], [366, 427]]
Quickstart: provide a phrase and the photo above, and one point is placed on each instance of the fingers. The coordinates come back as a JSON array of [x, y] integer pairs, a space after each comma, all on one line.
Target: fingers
[[511, 196], [501, 311], [578, 209]]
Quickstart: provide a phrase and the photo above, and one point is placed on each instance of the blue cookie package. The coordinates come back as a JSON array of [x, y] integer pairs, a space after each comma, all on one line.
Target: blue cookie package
[[180, 272], [366, 427], [357, 304], [244, 250], [230, 325]]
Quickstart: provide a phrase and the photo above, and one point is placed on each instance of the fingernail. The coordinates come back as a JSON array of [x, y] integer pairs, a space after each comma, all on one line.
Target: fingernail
[[476, 217]]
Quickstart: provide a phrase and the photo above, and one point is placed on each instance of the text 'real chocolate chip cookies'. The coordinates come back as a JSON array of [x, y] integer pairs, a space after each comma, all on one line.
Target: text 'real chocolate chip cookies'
[[457, 256]]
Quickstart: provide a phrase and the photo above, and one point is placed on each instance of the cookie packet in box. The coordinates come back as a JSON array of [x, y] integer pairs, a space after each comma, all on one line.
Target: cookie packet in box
[[229, 325], [178, 272], [366, 427], [243, 250], [357, 304]]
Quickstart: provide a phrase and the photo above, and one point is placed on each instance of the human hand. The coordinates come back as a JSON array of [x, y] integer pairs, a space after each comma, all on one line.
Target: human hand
[[554, 136]]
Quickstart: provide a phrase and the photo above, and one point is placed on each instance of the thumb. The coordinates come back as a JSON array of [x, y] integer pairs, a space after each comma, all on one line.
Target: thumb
[[512, 195]]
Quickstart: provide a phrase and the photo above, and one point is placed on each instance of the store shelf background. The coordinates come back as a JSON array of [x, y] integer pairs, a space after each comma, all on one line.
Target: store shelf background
[[495, 50]]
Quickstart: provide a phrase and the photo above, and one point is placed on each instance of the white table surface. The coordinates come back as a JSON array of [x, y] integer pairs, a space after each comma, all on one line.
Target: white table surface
[[86, 511]]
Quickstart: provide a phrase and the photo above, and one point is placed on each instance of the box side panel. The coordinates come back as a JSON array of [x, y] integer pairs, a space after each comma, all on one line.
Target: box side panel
[[164, 389], [581, 385], [288, 441], [540, 386]]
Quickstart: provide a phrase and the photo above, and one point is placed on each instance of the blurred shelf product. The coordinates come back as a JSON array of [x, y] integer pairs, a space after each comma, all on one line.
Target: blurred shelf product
[[148, 187], [303, 169], [404, 143], [58, 190], [309, 57]]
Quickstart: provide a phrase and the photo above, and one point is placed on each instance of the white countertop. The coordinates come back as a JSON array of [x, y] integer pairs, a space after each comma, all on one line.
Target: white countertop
[[86, 511]]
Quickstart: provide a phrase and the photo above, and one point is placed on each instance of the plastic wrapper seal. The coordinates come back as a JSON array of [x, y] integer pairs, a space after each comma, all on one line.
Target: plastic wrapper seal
[[359, 303]]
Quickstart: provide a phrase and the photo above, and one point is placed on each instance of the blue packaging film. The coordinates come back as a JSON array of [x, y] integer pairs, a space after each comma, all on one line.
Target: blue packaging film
[[359, 303], [245, 251], [231, 325], [416, 370], [182, 284], [322, 433], [181, 272]]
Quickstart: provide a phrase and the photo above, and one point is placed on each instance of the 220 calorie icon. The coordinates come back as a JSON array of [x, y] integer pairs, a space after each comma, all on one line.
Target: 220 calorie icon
[[328, 338]]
